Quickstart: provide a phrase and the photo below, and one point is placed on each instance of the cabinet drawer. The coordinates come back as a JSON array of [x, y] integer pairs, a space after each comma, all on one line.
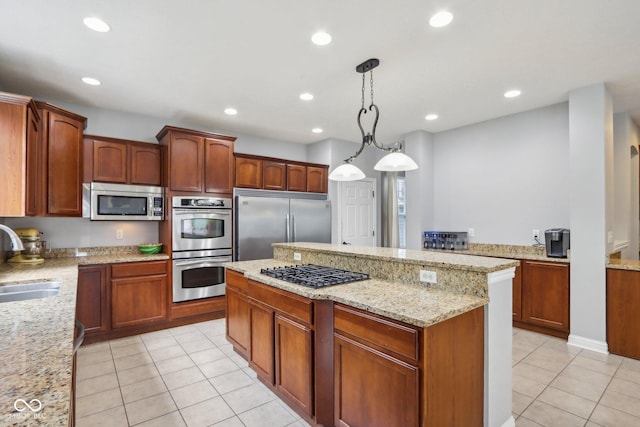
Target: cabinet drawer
[[291, 305], [131, 269], [376, 332], [237, 281]]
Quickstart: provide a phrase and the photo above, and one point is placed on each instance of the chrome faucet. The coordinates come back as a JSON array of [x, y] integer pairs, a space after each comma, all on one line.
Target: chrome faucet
[[16, 243]]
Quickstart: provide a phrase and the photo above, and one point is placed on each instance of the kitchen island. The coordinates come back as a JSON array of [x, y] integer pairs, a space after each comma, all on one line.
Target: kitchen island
[[438, 347], [36, 344]]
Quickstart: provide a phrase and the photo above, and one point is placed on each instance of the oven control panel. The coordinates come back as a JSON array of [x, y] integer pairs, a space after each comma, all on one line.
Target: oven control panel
[[446, 240], [201, 202]]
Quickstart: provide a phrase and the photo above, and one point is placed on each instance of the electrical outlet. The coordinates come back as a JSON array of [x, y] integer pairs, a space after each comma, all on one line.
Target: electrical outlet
[[535, 233], [297, 256], [428, 276], [119, 234]]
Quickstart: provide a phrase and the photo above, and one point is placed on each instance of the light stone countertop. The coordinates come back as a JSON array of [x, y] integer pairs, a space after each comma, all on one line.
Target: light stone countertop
[[453, 261], [530, 253], [624, 264], [36, 339], [413, 304]]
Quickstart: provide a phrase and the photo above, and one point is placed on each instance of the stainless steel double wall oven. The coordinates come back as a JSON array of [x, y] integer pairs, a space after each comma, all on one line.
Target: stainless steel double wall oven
[[201, 234]]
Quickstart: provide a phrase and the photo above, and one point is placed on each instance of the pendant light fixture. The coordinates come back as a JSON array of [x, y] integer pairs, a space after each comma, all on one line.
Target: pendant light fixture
[[394, 161]]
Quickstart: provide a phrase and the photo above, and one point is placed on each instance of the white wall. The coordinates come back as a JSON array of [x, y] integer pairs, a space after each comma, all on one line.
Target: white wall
[[504, 177], [419, 187]]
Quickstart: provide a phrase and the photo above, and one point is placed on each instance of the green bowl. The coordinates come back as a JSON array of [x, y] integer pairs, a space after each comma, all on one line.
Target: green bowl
[[150, 249]]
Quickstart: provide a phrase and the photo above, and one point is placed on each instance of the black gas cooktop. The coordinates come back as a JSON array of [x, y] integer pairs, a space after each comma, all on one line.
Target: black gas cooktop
[[314, 276]]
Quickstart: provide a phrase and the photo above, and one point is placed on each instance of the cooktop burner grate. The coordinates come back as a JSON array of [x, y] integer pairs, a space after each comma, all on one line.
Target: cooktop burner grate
[[314, 276]]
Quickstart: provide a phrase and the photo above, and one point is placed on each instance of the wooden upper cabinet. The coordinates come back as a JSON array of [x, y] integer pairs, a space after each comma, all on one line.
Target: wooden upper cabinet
[[110, 161], [145, 164], [274, 175], [219, 166], [248, 172], [296, 178], [197, 161], [19, 127], [34, 160], [61, 149], [317, 179]]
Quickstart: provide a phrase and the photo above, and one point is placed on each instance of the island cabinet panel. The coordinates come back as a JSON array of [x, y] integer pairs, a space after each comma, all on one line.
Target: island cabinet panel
[[110, 161], [145, 161], [61, 156], [296, 178], [138, 293], [262, 343], [545, 294], [373, 389], [92, 305], [517, 294], [623, 312], [294, 362], [219, 166], [248, 172], [317, 179], [274, 175], [237, 323]]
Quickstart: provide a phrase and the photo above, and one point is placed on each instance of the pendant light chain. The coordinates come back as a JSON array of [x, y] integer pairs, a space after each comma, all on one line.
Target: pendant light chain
[[362, 90]]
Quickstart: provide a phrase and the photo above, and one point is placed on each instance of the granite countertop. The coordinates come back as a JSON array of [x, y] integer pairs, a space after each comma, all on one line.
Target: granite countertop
[[624, 264], [530, 253], [36, 348], [413, 304], [454, 261]]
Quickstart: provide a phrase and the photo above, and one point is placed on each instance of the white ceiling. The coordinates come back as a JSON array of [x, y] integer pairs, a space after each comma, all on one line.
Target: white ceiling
[[188, 60]]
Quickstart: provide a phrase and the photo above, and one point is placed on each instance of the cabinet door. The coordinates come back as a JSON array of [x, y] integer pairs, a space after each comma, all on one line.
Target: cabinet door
[[138, 300], [92, 304], [294, 356], [248, 172], [238, 321], [373, 389], [517, 294], [110, 162], [317, 179], [218, 170], [34, 174], [144, 164], [64, 165], [545, 294], [185, 162], [623, 312], [296, 178], [274, 175], [261, 345]]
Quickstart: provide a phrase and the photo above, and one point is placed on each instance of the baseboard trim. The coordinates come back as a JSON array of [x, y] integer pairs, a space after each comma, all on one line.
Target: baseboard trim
[[511, 422], [588, 343]]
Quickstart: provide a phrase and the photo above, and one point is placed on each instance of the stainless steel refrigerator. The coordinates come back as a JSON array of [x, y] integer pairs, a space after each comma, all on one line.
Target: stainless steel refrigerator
[[263, 217]]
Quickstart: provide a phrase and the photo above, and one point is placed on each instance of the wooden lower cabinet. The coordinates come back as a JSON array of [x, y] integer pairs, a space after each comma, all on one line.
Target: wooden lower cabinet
[[517, 294], [294, 362], [138, 300], [545, 295], [623, 312], [238, 320], [373, 389], [261, 342], [92, 304]]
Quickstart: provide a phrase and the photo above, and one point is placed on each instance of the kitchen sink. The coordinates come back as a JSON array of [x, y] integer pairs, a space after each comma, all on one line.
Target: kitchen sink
[[22, 291]]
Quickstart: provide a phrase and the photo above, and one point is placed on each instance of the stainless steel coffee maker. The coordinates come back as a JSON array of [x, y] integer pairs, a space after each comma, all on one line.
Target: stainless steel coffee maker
[[557, 242], [34, 246]]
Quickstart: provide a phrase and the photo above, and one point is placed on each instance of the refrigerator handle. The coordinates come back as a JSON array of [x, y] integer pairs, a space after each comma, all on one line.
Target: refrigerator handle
[[293, 228], [288, 229]]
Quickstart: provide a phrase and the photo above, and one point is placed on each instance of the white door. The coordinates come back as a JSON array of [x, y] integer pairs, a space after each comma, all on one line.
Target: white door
[[357, 214]]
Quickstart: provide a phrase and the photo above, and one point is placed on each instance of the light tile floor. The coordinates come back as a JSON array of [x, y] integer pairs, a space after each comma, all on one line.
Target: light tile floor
[[190, 376]]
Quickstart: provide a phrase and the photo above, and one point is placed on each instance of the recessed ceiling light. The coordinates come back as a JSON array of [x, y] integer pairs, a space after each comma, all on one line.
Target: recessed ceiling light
[[96, 24], [306, 96], [441, 19], [316, 130], [321, 38], [512, 93], [431, 116], [230, 111], [91, 81]]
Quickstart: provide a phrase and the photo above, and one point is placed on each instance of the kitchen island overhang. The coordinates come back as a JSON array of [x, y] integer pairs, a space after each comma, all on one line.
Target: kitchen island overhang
[[394, 292]]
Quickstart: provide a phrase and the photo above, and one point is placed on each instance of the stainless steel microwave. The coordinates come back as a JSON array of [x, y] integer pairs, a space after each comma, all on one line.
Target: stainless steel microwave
[[120, 202]]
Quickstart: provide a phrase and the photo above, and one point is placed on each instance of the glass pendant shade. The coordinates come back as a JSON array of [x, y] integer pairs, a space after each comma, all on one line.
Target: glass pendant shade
[[396, 162], [346, 172]]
